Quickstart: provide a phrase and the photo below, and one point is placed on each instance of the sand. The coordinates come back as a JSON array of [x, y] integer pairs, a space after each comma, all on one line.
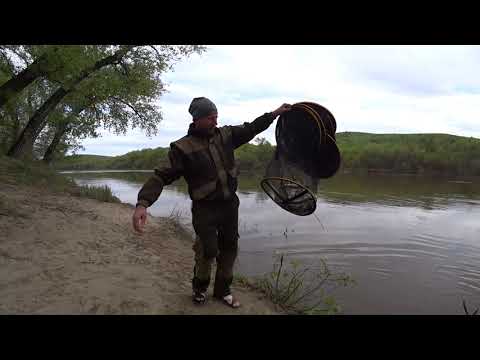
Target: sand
[[61, 254]]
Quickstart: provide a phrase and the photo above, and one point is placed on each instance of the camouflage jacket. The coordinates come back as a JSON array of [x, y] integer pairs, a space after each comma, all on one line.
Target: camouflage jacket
[[205, 161]]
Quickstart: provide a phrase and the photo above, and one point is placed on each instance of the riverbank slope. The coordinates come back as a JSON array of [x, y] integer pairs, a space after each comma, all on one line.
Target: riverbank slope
[[64, 254]]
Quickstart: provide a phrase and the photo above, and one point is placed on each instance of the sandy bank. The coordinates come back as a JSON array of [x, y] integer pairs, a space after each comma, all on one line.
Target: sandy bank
[[60, 254]]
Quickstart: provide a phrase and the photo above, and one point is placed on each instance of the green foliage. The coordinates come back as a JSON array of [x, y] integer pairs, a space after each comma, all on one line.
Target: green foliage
[[250, 158], [410, 153], [145, 159], [16, 113], [84, 162], [59, 62], [118, 96], [254, 158], [398, 153]]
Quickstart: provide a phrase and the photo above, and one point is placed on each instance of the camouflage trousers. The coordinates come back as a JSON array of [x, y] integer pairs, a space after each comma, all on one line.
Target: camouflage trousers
[[216, 227]]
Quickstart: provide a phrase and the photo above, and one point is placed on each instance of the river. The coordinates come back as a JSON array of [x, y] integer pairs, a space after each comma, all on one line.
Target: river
[[412, 244]]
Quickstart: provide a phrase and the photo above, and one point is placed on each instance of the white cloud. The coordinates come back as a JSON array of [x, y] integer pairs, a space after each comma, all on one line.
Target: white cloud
[[379, 89]]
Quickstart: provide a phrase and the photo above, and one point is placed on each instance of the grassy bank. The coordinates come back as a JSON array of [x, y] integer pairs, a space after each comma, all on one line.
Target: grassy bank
[[40, 176]]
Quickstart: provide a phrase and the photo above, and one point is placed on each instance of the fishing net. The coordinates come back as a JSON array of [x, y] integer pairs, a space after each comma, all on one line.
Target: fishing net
[[306, 152]]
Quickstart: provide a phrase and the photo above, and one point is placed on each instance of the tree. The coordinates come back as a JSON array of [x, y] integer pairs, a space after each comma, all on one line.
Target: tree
[[12, 87], [37, 121], [116, 97], [18, 111], [160, 57], [65, 124], [52, 62]]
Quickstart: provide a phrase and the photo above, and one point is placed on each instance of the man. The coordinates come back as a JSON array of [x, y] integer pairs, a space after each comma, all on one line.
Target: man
[[204, 157]]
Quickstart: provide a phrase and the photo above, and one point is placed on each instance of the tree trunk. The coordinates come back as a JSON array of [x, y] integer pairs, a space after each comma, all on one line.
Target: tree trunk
[[61, 130], [38, 120], [16, 84], [36, 123]]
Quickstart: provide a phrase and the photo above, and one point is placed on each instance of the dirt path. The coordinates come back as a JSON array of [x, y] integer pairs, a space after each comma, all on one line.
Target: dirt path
[[61, 254]]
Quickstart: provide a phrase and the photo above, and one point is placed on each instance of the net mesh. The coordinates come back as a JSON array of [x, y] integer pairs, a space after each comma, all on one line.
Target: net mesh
[[306, 152]]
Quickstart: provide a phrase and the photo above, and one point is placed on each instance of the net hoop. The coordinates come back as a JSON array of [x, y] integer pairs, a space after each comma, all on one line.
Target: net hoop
[[267, 184]]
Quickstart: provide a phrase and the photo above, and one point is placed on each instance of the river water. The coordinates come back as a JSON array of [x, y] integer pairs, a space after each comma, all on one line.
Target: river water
[[412, 244]]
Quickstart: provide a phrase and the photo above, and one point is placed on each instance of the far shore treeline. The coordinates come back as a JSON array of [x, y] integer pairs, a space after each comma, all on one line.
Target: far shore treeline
[[396, 153]]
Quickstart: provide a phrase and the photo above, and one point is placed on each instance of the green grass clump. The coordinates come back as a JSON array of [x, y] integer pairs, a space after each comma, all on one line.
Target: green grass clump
[[32, 173], [39, 175], [299, 289], [101, 193]]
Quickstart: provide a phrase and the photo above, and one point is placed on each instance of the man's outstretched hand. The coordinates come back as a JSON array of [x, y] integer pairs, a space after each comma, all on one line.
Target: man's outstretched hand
[[282, 109], [139, 218]]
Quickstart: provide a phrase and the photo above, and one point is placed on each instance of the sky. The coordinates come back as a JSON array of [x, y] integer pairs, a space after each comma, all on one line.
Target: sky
[[376, 89]]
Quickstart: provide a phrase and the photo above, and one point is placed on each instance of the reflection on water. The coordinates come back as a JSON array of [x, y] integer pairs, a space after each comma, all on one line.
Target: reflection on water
[[412, 244]]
